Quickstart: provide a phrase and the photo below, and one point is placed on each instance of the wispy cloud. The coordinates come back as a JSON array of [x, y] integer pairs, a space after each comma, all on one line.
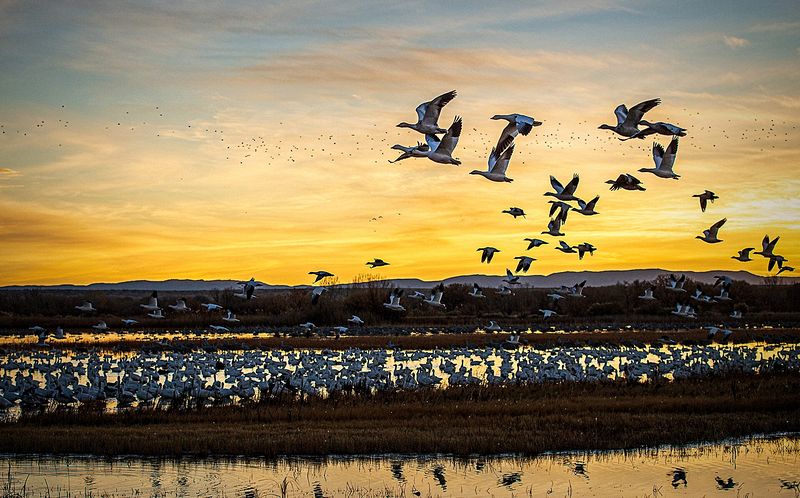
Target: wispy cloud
[[8, 173], [735, 41]]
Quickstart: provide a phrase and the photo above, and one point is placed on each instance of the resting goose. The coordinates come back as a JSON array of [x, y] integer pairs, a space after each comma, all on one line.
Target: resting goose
[[564, 193], [441, 151], [394, 301], [428, 114], [710, 235], [664, 160], [628, 120], [498, 162]]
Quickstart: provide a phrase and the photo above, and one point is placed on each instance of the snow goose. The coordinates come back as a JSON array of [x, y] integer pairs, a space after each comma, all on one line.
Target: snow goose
[[86, 307], [676, 284], [435, 299], [317, 293], [498, 163], [487, 253], [710, 235], [220, 328], [503, 291], [664, 160], [547, 313], [248, 289], [554, 228], [628, 120], [524, 263], [428, 114], [563, 210], [704, 198], [156, 313], [355, 320], [230, 317], [394, 301], [561, 192], [180, 305], [660, 128], [785, 268], [776, 259], [534, 243], [736, 314], [587, 208], [511, 279], [211, 306], [476, 291], [101, 326], [375, 263], [418, 295], [577, 290], [517, 124], [584, 248], [419, 150], [515, 212], [767, 246], [626, 181], [441, 151], [492, 327], [648, 295], [564, 247], [320, 274], [152, 304], [744, 255]]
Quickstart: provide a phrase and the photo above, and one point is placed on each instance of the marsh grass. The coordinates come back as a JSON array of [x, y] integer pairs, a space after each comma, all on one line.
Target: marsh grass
[[518, 419]]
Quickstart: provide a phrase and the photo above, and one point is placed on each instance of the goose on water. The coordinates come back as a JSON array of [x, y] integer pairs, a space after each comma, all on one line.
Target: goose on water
[[517, 124], [664, 160], [524, 263], [704, 198], [534, 243], [428, 115], [375, 263], [394, 301], [419, 150], [767, 246], [626, 181], [487, 253], [515, 212], [628, 119], [744, 255], [498, 163], [587, 208], [710, 236], [441, 151], [561, 192], [320, 274]]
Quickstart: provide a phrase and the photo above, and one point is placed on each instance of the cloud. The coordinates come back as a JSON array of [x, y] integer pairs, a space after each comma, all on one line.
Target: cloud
[[8, 173], [735, 41]]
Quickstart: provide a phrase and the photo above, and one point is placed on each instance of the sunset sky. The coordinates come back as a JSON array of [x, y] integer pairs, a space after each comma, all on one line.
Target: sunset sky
[[156, 140]]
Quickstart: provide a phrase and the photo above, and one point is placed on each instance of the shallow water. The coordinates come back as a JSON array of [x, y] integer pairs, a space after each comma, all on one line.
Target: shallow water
[[756, 467]]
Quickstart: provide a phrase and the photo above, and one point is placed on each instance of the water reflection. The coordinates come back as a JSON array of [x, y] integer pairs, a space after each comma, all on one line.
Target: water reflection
[[758, 467]]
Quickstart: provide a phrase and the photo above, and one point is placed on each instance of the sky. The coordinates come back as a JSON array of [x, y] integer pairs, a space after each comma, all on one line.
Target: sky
[[157, 140]]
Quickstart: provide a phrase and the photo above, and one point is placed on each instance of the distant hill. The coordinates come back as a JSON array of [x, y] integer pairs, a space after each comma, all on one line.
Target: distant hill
[[593, 279]]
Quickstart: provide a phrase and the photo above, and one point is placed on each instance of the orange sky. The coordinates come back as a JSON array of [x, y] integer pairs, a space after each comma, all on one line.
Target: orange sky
[[249, 140]]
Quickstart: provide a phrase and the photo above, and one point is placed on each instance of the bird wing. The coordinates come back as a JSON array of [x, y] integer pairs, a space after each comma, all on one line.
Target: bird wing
[[556, 184], [591, 204], [636, 113], [434, 107], [668, 156], [564, 245], [622, 113], [703, 204], [505, 158], [658, 154], [450, 139], [432, 141], [572, 185], [716, 226]]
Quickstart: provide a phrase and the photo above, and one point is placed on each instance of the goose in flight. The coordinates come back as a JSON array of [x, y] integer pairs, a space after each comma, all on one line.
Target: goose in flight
[[320, 274], [316, 293], [626, 181], [524, 263], [492, 327], [776, 259], [736, 314], [704, 198], [230, 317], [564, 247], [584, 248], [476, 291], [436, 297], [419, 150], [710, 235], [676, 284], [219, 328], [554, 228], [563, 210], [394, 301], [504, 290], [441, 151], [498, 162], [535, 243], [418, 295], [60, 333], [767, 246], [511, 279], [648, 295], [785, 268], [248, 288], [355, 320], [375, 263], [555, 296], [86, 307], [428, 114], [180, 305], [156, 313], [547, 313], [517, 123], [488, 253], [577, 290], [659, 127], [101, 325], [129, 321], [723, 280], [744, 255], [664, 160], [515, 211], [564, 193], [587, 208], [628, 120], [152, 304], [211, 306]]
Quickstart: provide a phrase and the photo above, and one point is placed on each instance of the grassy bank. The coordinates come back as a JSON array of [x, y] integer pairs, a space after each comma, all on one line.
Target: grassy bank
[[516, 419]]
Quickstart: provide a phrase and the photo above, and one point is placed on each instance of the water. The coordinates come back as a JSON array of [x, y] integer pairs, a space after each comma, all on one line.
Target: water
[[755, 467]]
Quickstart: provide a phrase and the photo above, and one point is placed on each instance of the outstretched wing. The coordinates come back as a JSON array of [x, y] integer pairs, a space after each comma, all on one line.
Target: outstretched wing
[[450, 139], [658, 154], [572, 185], [434, 107], [622, 113], [636, 113], [668, 156]]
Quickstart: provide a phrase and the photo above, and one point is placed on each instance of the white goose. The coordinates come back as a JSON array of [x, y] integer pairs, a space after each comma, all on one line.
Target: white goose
[[230, 317], [420, 150], [152, 304], [129, 321], [101, 326], [441, 151], [86, 307], [710, 235], [504, 290], [517, 124], [492, 327], [511, 279], [547, 313], [477, 291], [156, 313], [355, 320], [628, 120], [435, 299], [577, 290], [428, 114], [498, 163], [587, 208], [248, 289], [664, 160], [676, 284], [394, 301], [648, 295], [180, 305], [658, 127], [220, 328], [211, 306], [317, 293]]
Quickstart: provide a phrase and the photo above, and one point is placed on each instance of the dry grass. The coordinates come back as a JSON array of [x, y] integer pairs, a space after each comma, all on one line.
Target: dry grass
[[464, 420]]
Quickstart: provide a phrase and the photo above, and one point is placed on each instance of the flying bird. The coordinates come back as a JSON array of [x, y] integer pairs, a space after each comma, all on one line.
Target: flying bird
[[564, 193], [152, 304], [476, 291], [659, 127], [587, 208], [435, 299], [316, 293], [664, 160], [767, 246], [626, 181], [517, 124], [320, 274], [710, 235], [554, 228], [511, 279], [524, 263], [564, 247], [86, 306], [515, 211], [744, 255], [441, 151], [584, 248], [428, 115], [498, 162], [628, 120], [563, 210], [180, 305], [488, 253], [704, 198], [394, 301]]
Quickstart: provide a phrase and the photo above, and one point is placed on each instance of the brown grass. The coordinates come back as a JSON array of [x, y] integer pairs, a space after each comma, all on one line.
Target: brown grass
[[463, 420]]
